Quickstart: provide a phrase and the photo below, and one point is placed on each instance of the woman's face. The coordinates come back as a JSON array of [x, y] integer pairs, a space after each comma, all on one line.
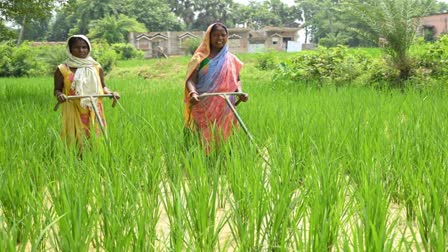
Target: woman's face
[[218, 37], [80, 49]]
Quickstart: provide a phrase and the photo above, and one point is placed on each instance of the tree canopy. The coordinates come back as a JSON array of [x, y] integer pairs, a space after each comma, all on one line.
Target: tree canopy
[[327, 21]]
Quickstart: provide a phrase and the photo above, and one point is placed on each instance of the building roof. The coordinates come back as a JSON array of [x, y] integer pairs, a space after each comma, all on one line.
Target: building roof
[[436, 14], [280, 29]]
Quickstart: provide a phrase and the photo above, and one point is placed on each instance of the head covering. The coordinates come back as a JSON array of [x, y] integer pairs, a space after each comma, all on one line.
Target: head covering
[[203, 51], [86, 80]]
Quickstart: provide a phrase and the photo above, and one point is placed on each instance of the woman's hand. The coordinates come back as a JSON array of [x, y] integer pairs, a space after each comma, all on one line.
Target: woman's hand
[[115, 96], [194, 98], [243, 97], [61, 97]]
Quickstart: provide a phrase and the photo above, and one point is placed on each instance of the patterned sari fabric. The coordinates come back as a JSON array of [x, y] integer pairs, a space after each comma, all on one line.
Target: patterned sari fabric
[[211, 117], [77, 120]]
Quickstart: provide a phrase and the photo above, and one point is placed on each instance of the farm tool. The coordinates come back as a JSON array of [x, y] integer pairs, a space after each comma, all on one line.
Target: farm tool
[[226, 95], [95, 109]]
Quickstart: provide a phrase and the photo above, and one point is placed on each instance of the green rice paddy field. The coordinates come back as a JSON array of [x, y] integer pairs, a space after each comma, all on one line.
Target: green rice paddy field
[[352, 169]]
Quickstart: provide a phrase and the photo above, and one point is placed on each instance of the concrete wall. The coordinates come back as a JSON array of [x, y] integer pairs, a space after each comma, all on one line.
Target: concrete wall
[[174, 43], [439, 22]]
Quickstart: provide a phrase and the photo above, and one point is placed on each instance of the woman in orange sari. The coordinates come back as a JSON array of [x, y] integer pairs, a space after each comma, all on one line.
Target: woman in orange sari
[[80, 74], [212, 69]]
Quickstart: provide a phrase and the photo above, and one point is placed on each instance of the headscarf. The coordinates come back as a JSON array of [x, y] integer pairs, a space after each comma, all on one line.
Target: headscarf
[[86, 80]]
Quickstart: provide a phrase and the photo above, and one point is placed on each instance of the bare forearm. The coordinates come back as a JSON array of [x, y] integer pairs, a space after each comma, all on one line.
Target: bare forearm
[[58, 83], [191, 86], [107, 90], [240, 87]]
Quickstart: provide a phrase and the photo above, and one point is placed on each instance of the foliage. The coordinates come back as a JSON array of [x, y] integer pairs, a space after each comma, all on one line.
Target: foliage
[[6, 33], [114, 29], [20, 61], [432, 58], [395, 23], [160, 18], [185, 10], [266, 61], [191, 45], [26, 60], [104, 54], [209, 12], [82, 12], [335, 65], [127, 51], [35, 30], [332, 40], [13, 10], [59, 27], [57, 56]]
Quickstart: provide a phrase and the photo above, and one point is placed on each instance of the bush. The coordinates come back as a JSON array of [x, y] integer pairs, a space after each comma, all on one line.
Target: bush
[[6, 51], [191, 45], [20, 61], [127, 51], [336, 65], [433, 57], [266, 61], [57, 56], [105, 55]]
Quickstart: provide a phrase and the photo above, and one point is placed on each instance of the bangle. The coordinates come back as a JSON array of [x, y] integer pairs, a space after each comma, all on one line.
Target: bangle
[[192, 92]]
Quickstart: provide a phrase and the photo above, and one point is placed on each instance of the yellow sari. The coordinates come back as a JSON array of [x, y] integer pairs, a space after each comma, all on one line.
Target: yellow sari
[[77, 121]]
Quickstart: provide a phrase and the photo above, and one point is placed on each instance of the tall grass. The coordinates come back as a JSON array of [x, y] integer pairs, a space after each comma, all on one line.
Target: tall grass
[[352, 169]]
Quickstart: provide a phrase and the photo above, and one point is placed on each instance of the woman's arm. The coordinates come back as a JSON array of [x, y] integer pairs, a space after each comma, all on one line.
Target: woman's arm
[[242, 98], [58, 86], [191, 87]]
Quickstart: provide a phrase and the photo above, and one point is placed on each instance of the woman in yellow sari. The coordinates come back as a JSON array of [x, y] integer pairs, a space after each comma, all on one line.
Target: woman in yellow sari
[[212, 69], [80, 74]]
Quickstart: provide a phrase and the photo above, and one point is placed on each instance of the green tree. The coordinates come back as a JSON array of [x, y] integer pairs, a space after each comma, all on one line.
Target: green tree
[[60, 26], [159, 18], [395, 22], [439, 7], [84, 11], [36, 30], [322, 18], [6, 33], [289, 16], [210, 11], [185, 10], [256, 15], [23, 11], [114, 29], [13, 10]]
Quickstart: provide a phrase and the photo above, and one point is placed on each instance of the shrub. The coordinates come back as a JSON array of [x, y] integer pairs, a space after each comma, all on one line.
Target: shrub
[[191, 45], [127, 51], [57, 56], [266, 61], [433, 57], [335, 65], [6, 51], [20, 61], [105, 55]]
